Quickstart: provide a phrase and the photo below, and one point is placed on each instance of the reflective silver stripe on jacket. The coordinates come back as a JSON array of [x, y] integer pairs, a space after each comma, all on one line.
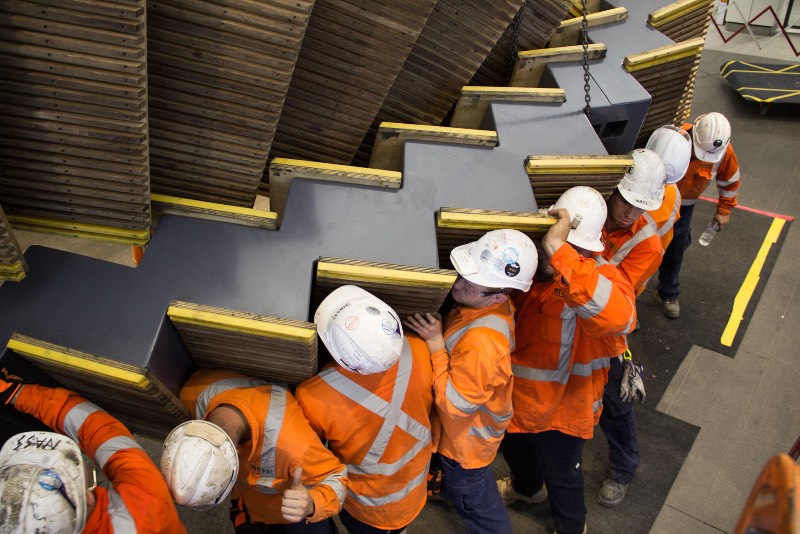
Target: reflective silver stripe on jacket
[[75, 418], [457, 400], [121, 519], [561, 374], [733, 179], [496, 323], [644, 233], [670, 222], [221, 386], [728, 194], [111, 446], [393, 417], [272, 429]]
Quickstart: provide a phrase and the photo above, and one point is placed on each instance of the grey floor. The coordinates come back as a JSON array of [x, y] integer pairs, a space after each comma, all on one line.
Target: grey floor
[[746, 407]]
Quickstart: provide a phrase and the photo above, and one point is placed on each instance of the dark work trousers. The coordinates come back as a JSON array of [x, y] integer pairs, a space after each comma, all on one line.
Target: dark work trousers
[[618, 423], [669, 285], [355, 526], [554, 459], [474, 495]]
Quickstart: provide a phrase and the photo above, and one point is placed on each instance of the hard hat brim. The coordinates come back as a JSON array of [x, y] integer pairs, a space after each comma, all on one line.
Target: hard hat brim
[[709, 157], [638, 201]]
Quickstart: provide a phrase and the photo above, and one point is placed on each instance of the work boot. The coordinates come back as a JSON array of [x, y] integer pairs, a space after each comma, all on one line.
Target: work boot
[[669, 307], [612, 493], [509, 494], [585, 529]]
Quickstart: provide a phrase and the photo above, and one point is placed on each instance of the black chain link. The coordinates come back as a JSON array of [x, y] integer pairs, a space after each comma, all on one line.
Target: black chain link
[[585, 33], [512, 52]]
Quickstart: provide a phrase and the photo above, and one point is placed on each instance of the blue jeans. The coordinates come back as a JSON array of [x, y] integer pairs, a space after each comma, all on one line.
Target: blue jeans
[[355, 526], [618, 423], [554, 459], [669, 284], [473, 493]]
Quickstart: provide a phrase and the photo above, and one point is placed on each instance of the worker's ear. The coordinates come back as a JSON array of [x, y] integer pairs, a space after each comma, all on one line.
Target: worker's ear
[[497, 298], [91, 500]]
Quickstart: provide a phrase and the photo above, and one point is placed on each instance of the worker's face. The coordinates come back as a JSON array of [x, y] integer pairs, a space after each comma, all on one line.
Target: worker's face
[[473, 295], [621, 214]]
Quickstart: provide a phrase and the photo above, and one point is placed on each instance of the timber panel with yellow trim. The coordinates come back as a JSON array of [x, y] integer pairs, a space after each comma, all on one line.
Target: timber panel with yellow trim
[[388, 150], [665, 73], [67, 228], [451, 47], [13, 266], [405, 288], [215, 212], [682, 20], [459, 226], [474, 101], [132, 394], [530, 64], [73, 112], [278, 350], [550, 176], [282, 171], [568, 32], [218, 76]]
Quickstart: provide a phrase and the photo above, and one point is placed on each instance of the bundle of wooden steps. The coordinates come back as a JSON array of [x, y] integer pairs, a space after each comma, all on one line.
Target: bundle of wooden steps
[[274, 349], [218, 77], [530, 64], [442, 61], [215, 212], [681, 21], [406, 289], [474, 101], [458, 226], [388, 150], [282, 171], [131, 394], [73, 115], [12, 263], [568, 32], [550, 176], [665, 72]]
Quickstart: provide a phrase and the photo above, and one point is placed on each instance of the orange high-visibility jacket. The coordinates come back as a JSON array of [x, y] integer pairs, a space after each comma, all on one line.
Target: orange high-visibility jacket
[[561, 362], [665, 217], [379, 426], [281, 441], [699, 173], [473, 384], [138, 500], [636, 251]]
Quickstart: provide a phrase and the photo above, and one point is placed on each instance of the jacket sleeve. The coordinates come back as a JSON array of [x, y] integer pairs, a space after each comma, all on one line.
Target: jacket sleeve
[[132, 473], [323, 474], [600, 295], [728, 182], [465, 380], [642, 262]]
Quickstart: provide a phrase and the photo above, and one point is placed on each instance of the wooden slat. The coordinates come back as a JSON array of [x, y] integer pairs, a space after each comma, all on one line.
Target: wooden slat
[[215, 212], [73, 140], [132, 394], [550, 176], [569, 31], [406, 289], [387, 153], [265, 347], [530, 64], [12, 263], [471, 106]]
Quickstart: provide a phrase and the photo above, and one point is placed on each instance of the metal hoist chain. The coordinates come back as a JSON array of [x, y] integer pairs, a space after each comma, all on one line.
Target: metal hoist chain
[[585, 32], [512, 55]]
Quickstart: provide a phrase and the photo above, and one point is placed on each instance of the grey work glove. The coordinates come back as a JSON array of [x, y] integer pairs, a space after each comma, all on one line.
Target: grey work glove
[[632, 387]]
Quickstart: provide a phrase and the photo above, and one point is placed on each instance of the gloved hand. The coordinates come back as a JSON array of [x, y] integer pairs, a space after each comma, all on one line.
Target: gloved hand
[[9, 386], [632, 387], [435, 476]]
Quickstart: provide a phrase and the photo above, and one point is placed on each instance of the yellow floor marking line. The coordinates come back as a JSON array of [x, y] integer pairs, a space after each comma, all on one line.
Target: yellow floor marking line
[[750, 282]]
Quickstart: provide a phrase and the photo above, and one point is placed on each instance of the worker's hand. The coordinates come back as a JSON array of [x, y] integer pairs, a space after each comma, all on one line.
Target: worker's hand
[[297, 503], [722, 220], [10, 384], [557, 235], [429, 328]]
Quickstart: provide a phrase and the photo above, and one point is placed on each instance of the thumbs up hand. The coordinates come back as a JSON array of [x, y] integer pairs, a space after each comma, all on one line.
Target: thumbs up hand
[[297, 503]]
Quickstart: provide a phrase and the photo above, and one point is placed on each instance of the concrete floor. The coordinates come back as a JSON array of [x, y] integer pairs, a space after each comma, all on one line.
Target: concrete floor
[[746, 407]]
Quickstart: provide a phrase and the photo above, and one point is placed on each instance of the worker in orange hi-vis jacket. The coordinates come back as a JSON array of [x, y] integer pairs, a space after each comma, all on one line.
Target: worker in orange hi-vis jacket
[[713, 158], [47, 485], [373, 405], [286, 477], [472, 370], [632, 245], [561, 360], [674, 145]]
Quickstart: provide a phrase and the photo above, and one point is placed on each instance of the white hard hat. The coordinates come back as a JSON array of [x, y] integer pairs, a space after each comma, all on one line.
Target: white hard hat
[[361, 331], [674, 145], [200, 463], [587, 210], [499, 259], [711, 134], [643, 185], [42, 484]]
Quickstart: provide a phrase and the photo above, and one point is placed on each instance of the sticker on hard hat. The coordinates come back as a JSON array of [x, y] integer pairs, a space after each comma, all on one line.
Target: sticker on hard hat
[[463, 262], [351, 323], [391, 327], [717, 143], [45, 442], [510, 255], [372, 310], [512, 269]]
